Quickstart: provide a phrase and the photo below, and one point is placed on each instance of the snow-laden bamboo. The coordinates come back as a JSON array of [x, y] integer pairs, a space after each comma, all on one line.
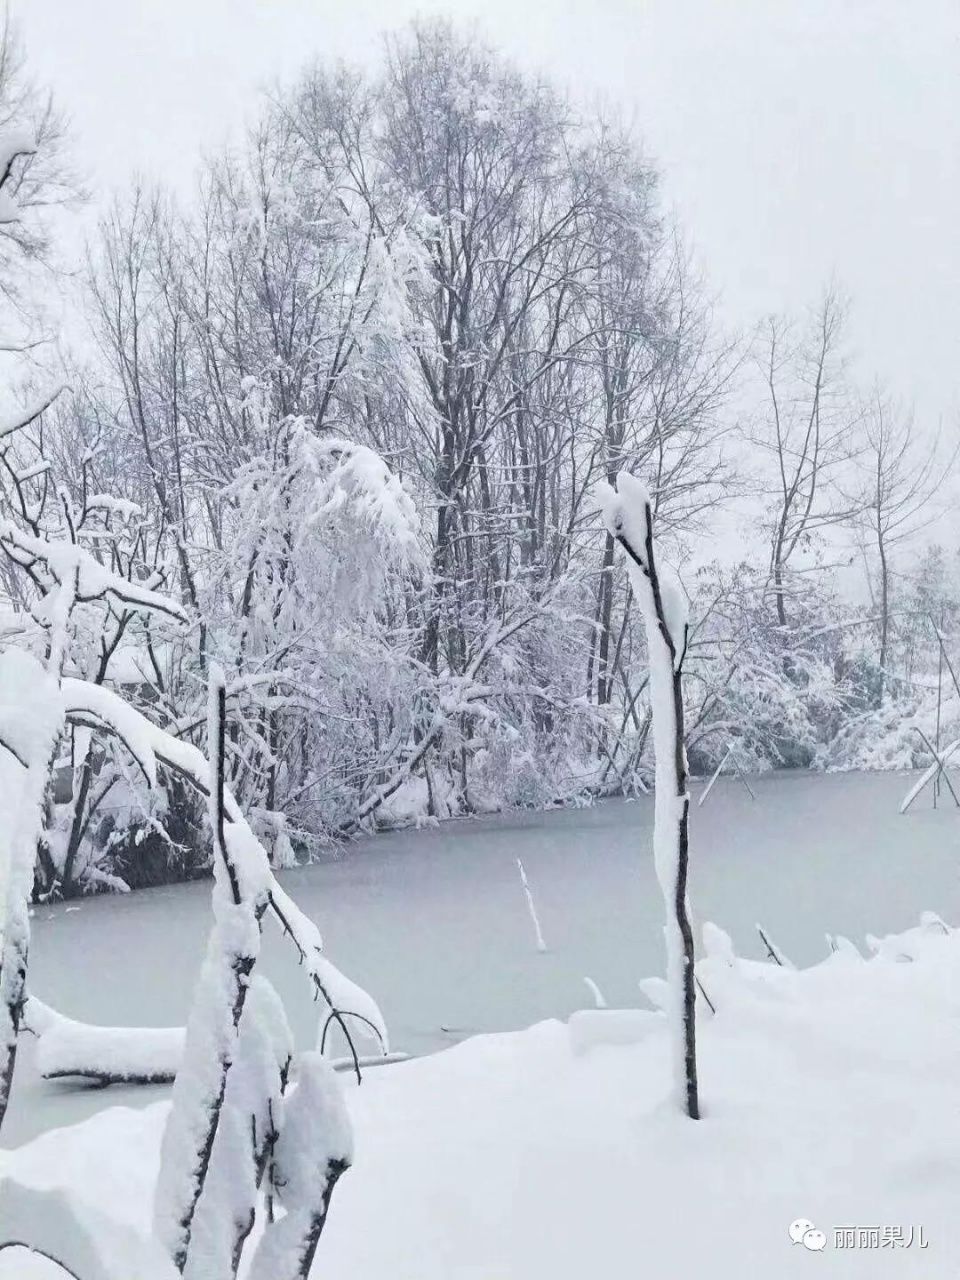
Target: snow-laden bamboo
[[628, 513]]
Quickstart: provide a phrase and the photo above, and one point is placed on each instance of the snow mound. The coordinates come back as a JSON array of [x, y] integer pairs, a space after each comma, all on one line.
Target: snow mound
[[590, 1028], [828, 1093]]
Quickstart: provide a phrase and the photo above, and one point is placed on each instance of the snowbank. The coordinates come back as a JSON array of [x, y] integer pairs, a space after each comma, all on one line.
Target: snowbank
[[829, 1096]]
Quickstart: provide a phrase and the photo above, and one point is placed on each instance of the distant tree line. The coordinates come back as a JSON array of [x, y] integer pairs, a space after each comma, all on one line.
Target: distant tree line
[[350, 403]]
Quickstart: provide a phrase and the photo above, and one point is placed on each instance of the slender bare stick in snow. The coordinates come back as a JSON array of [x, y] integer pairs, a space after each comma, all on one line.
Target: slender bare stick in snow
[[741, 775], [629, 518], [532, 908], [716, 774], [598, 1001], [773, 951]]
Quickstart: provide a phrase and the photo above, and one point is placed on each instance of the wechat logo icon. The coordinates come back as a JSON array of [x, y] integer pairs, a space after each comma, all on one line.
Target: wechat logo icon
[[802, 1231]]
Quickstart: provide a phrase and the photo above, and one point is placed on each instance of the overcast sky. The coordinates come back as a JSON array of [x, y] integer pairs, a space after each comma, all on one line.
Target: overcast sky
[[798, 138]]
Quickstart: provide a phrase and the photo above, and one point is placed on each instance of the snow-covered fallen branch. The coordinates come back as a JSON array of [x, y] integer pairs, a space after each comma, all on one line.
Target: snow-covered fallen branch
[[68, 1049], [106, 1055]]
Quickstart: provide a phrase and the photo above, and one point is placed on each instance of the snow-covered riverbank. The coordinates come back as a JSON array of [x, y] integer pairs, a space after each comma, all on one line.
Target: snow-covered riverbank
[[435, 923], [555, 1153]]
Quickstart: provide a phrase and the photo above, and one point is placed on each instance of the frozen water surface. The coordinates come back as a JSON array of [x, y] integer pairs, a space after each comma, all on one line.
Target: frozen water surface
[[434, 923]]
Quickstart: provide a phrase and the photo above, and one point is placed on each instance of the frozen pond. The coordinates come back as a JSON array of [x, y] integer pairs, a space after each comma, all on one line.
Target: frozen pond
[[435, 925]]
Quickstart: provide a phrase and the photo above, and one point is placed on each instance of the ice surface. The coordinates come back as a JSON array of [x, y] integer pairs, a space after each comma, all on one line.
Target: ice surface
[[434, 924]]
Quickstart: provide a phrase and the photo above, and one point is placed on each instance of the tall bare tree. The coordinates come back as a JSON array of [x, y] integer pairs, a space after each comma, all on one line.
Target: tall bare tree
[[807, 432], [902, 489]]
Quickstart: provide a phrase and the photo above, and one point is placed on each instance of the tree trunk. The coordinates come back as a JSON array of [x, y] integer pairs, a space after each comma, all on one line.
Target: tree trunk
[[630, 520]]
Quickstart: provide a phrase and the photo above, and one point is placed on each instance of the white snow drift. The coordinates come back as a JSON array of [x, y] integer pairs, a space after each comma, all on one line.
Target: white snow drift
[[829, 1097]]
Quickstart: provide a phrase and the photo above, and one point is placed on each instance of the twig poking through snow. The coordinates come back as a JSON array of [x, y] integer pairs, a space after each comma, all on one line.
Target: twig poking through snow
[[729, 754], [740, 774], [532, 908], [716, 774], [700, 987], [941, 763], [773, 951], [598, 1000], [932, 923]]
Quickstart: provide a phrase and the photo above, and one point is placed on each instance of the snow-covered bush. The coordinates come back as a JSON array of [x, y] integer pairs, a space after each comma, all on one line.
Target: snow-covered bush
[[227, 1155], [234, 1145], [78, 564]]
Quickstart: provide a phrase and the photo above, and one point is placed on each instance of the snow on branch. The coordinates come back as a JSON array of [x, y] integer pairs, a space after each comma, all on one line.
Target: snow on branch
[[20, 418], [313, 1149], [31, 721], [13, 144], [214, 1023], [228, 1126], [628, 515], [246, 1138], [67, 1048], [83, 1243], [66, 562], [107, 1055], [457, 694], [99, 707], [935, 769], [355, 474]]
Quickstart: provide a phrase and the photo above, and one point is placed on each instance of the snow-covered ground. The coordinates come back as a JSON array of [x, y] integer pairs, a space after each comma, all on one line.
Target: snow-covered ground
[[435, 923], [554, 1153]]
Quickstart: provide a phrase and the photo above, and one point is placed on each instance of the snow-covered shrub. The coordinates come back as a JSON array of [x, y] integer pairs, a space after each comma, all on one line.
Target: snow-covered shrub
[[223, 1157], [60, 713]]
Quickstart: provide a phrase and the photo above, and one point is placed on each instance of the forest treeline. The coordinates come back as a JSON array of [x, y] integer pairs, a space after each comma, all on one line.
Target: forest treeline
[[349, 402]]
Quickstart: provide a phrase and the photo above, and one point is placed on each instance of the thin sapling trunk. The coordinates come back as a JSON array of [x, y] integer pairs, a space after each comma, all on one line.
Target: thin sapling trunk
[[629, 518]]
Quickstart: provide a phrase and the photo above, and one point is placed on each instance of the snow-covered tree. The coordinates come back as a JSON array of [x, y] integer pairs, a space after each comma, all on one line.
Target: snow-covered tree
[[500, 339], [77, 563], [628, 513]]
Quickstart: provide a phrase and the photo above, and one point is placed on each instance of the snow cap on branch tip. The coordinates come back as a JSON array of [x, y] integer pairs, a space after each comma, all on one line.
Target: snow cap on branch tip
[[676, 607], [20, 416], [624, 509], [314, 1132], [717, 943], [31, 712], [627, 513], [98, 706], [16, 142]]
